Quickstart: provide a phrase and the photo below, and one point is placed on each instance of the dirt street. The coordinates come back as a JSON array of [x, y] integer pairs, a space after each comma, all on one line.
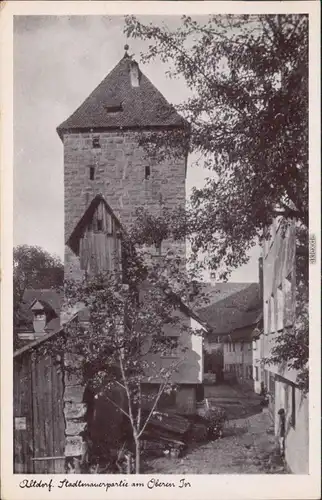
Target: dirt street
[[248, 446]]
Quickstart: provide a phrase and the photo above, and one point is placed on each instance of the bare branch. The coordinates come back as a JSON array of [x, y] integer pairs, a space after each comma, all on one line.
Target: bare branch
[[161, 389]]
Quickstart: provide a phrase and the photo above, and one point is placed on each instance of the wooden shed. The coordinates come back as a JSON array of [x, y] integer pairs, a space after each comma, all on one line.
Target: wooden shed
[[39, 426]]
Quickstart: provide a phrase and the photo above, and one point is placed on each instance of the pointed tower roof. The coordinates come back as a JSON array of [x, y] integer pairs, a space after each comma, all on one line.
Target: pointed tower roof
[[124, 99]]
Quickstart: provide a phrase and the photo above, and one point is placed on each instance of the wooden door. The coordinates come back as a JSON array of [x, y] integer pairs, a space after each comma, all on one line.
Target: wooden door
[[39, 427], [48, 417]]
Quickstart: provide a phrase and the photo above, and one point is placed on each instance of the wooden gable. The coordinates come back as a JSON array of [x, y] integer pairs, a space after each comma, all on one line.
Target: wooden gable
[[97, 239]]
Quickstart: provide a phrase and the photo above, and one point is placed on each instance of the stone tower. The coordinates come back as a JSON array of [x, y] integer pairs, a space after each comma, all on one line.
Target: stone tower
[[102, 156]]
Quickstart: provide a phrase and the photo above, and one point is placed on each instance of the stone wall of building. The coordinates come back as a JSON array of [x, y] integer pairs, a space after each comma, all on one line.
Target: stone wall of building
[[120, 171], [75, 412]]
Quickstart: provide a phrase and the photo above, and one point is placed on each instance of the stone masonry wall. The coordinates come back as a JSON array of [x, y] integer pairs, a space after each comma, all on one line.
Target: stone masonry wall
[[120, 167], [75, 410]]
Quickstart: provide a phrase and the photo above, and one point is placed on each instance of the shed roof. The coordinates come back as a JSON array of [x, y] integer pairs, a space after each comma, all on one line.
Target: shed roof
[[115, 103], [231, 306]]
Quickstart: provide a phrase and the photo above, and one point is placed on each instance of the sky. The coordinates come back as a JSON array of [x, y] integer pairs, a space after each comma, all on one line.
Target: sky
[[58, 61]]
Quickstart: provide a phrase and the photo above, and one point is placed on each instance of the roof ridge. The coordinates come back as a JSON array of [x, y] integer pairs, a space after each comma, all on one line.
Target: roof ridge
[[143, 104]]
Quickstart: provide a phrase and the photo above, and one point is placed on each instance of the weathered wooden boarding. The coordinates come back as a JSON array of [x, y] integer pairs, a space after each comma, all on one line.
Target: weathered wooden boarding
[[38, 427]]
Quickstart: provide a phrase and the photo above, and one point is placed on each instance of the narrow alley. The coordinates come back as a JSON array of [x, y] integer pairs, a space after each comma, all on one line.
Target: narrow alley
[[248, 444]]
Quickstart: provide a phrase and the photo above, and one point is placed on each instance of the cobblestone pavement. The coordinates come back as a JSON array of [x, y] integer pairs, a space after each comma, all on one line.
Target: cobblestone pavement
[[247, 447]]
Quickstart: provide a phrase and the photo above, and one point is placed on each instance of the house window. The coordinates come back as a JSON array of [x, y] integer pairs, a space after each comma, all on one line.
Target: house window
[[157, 249], [286, 398], [147, 172], [233, 346], [249, 372], [280, 308], [91, 173], [256, 373], [242, 346], [266, 379], [288, 301], [266, 317], [272, 315], [271, 383], [293, 407], [96, 142]]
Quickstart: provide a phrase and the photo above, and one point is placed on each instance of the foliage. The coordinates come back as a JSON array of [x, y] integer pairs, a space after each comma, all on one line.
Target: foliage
[[153, 229], [150, 230], [30, 264], [247, 117], [33, 267], [215, 418], [120, 337]]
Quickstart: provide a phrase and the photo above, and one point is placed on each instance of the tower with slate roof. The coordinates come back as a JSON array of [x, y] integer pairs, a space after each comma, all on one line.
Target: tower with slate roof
[[102, 157]]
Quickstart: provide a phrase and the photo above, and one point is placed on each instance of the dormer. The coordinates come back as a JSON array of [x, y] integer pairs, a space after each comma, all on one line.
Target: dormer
[[39, 313]]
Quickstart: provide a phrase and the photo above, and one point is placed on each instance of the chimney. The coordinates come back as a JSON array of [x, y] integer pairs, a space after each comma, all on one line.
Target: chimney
[[39, 322], [39, 318], [260, 277], [134, 74]]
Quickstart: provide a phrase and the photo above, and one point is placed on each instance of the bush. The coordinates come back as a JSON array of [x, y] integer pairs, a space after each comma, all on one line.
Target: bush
[[215, 419]]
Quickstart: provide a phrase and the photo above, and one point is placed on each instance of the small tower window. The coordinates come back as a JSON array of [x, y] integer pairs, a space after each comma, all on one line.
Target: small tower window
[[96, 142], [92, 173], [147, 173]]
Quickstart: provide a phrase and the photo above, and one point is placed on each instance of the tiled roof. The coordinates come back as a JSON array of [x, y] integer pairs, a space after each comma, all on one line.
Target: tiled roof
[[232, 306], [187, 310], [141, 106], [51, 299]]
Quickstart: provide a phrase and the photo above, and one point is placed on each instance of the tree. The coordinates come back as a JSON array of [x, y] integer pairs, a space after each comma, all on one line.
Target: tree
[[123, 339], [34, 267], [248, 119]]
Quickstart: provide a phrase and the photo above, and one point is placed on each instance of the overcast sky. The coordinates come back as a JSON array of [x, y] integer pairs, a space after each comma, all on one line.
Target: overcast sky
[[58, 61]]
